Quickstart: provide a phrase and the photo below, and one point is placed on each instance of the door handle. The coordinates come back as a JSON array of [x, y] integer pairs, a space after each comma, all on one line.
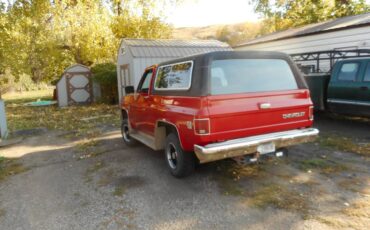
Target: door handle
[[264, 105], [364, 88]]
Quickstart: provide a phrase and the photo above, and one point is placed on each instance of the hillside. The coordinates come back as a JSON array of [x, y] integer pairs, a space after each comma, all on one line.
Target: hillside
[[196, 32], [232, 33]]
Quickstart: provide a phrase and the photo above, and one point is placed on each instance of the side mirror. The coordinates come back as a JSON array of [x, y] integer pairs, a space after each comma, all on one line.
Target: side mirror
[[129, 89]]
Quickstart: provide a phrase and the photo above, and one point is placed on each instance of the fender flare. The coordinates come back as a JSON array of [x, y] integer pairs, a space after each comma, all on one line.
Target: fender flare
[[170, 124]]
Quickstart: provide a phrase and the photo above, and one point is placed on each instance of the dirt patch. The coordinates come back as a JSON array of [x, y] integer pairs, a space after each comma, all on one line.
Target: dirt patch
[[281, 197], [93, 169], [345, 144], [119, 190], [312, 185], [10, 167], [345, 221], [355, 184], [127, 182], [130, 181], [325, 166], [30, 132], [87, 148], [333, 116], [96, 167], [121, 220], [86, 145], [268, 184], [229, 173], [94, 147], [360, 208], [106, 178], [121, 184], [2, 213]]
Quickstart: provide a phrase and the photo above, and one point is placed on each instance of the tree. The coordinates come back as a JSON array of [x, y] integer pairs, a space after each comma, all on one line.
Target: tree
[[234, 34], [28, 45], [6, 81], [284, 14], [82, 29], [140, 19], [3, 35], [40, 38], [223, 34]]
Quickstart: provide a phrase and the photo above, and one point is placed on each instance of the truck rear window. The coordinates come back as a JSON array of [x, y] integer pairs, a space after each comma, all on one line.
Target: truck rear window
[[174, 77], [231, 76]]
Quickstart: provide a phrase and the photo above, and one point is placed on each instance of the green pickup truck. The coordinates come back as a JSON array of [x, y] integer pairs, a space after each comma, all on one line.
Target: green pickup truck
[[345, 87]]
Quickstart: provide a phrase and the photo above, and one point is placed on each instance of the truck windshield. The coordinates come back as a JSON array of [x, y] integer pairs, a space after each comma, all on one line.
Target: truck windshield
[[231, 76]]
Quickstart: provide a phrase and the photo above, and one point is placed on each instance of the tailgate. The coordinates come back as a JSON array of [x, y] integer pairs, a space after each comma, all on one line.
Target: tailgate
[[241, 115]]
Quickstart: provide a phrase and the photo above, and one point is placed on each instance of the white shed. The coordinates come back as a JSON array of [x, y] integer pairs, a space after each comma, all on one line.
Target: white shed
[[134, 55], [347, 33], [75, 86]]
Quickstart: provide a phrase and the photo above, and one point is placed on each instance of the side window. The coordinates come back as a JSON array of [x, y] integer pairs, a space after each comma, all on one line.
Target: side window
[[145, 82], [367, 73], [174, 77], [348, 71]]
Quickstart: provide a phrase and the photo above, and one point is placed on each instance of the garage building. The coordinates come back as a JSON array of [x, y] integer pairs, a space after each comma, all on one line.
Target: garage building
[[134, 55], [347, 33]]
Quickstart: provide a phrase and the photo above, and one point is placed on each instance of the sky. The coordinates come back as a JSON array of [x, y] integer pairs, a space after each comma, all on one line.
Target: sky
[[197, 13]]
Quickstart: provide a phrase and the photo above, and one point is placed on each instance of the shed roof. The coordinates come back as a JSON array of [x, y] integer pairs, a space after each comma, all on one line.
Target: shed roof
[[76, 65], [321, 27], [172, 48]]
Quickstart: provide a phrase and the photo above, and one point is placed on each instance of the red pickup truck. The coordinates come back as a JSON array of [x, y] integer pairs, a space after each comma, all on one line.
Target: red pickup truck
[[219, 105]]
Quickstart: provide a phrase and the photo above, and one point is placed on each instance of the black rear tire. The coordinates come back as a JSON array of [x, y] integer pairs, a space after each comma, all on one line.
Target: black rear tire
[[125, 131], [180, 163]]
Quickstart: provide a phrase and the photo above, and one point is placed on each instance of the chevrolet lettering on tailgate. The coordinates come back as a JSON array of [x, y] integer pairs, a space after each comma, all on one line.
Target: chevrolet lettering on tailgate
[[293, 115]]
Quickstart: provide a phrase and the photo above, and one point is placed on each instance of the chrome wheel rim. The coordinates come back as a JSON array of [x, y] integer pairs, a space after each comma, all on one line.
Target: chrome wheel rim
[[171, 153], [125, 133]]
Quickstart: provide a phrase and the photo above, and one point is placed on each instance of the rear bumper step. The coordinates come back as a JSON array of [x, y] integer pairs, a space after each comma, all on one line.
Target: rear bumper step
[[248, 145]]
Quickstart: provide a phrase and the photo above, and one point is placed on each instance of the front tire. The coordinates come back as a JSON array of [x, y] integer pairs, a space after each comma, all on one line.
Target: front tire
[[180, 163], [125, 131]]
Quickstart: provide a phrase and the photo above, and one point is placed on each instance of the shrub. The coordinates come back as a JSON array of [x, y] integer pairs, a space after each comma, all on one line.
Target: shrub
[[105, 75], [25, 83], [6, 81]]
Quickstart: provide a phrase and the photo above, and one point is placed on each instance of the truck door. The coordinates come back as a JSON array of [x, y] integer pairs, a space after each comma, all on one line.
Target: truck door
[[343, 87], [364, 92], [139, 109]]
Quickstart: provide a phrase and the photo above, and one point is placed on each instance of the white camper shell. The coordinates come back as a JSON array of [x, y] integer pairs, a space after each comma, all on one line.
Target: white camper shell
[[134, 55]]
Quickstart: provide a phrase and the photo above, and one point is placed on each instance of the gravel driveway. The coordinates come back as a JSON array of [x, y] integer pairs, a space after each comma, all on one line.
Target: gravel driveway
[[102, 184]]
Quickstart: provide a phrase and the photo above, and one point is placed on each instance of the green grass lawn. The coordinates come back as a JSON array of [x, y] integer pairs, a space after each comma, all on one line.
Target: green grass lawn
[[82, 119], [28, 96]]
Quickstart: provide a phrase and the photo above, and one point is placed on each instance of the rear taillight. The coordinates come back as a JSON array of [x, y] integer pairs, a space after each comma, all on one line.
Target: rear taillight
[[202, 126], [308, 93], [310, 113]]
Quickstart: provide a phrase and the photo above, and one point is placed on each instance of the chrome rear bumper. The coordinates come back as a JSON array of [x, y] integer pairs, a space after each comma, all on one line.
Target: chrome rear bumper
[[248, 145]]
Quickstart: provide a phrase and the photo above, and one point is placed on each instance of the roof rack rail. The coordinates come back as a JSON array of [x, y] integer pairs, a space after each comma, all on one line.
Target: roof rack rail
[[331, 56]]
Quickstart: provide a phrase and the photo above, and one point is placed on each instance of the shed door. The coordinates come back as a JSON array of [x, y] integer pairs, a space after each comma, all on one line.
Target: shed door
[[79, 88], [125, 77]]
